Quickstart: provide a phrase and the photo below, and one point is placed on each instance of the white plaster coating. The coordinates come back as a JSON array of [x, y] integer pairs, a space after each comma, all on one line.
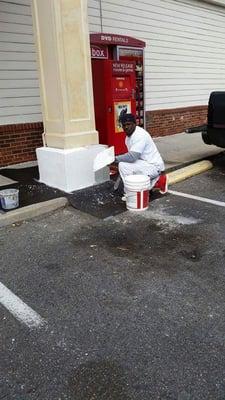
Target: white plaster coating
[[70, 169]]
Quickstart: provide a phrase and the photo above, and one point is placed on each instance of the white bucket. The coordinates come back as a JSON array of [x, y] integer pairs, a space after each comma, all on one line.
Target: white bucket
[[137, 192], [9, 198]]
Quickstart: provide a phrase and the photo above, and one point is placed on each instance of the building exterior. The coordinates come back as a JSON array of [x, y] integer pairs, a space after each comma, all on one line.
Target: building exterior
[[184, 62]]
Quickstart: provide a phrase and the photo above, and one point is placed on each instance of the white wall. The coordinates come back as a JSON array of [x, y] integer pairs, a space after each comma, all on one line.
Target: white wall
[[19, 86], [185, 54], [94, 13]]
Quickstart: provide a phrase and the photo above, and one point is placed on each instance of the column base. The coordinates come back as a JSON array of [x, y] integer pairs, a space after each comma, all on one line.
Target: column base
[[72, 169]]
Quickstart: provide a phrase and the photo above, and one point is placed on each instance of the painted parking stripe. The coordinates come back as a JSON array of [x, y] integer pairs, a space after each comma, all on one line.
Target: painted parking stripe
[[19, 309], [203, 199]]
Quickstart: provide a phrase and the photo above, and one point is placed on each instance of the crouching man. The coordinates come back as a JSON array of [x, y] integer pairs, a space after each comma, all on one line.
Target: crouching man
[[142, 157]]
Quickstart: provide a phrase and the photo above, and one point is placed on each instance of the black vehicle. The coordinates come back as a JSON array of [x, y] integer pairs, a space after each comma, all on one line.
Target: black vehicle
[[214, 131]]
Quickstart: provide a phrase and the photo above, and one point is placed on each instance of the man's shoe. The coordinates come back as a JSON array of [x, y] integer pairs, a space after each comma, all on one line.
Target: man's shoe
[[162, 184]]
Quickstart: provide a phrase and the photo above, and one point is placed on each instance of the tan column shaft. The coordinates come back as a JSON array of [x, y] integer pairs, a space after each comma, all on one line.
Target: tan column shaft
[[62, 38]]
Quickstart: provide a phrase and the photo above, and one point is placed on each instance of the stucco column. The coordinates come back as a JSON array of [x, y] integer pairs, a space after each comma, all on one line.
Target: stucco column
[[63, 50], [62, 39]]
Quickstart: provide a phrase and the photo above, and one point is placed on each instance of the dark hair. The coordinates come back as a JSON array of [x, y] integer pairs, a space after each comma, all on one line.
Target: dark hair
[[128, 118]]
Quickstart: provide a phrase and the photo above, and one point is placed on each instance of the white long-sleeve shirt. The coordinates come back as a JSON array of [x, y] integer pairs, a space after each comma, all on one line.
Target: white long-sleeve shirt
[[141, 142]]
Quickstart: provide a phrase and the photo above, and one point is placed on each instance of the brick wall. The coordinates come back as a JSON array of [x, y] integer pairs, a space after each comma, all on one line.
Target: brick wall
[[18, 142], [168, 122]]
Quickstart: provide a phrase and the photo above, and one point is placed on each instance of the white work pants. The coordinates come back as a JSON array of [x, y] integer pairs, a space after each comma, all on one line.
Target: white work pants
[[140, 167]]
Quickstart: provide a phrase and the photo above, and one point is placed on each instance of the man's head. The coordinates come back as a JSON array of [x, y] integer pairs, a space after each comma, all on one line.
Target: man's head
[[128, 122]]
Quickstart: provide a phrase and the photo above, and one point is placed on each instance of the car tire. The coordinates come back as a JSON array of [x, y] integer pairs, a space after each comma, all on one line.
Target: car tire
[[205, 138]]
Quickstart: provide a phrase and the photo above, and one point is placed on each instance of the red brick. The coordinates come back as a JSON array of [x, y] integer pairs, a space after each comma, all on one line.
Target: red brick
[[18, 142], [171, 121]]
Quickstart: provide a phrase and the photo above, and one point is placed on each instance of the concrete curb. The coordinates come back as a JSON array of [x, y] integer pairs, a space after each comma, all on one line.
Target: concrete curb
[[32, 211], [189, 171]]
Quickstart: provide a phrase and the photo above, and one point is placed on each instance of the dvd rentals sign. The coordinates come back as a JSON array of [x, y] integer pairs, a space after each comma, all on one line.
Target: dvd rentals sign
[[99, 51]]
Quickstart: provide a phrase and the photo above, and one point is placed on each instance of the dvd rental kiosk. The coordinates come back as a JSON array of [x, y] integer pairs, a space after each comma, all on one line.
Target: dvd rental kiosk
[[118, 84]]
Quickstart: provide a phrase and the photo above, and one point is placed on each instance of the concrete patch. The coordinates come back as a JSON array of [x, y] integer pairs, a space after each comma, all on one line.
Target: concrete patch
[[184, 148], [26, 164], [6, 181]]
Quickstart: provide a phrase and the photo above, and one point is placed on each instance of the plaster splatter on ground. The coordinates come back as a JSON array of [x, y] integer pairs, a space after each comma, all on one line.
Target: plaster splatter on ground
[[171, 221]]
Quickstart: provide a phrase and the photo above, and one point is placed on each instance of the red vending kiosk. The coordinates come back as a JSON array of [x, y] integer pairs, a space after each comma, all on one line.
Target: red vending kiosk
[[118, 83]]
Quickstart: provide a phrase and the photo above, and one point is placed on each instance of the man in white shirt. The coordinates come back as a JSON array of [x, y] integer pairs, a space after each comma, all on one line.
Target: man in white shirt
[[142, 157]]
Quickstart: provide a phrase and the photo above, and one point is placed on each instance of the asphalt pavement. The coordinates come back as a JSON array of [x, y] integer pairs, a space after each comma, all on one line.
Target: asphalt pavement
[[133, 305]]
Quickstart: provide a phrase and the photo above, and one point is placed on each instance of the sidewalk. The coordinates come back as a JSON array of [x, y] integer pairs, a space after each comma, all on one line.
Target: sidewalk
[[182, 149]]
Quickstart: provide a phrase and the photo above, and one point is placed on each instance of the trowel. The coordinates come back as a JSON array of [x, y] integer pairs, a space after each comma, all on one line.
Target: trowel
[[104, 158]]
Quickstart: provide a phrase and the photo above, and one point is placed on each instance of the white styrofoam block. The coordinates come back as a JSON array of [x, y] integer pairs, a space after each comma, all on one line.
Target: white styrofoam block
[[106, 157], [72, 169]]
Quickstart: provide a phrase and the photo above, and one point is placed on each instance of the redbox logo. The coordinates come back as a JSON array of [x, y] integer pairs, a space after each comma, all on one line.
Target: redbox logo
[[99, 51]]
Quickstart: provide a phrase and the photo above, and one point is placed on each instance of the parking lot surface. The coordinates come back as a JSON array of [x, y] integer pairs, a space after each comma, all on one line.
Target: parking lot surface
[[133, 306]]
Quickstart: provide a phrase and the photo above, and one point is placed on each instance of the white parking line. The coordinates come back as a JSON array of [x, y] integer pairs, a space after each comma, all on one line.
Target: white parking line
[[203, 199], [19, 309]]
